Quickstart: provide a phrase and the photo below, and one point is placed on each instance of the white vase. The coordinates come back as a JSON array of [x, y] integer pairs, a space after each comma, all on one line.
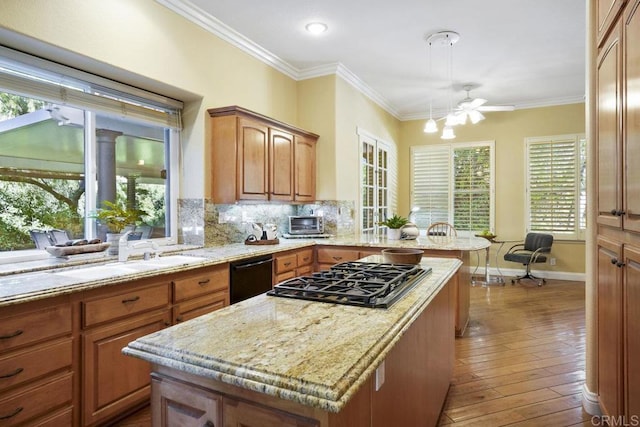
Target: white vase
[[394, 233]]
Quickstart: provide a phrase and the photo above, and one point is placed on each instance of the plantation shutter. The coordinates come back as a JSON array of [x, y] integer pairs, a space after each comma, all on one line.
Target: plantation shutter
[[472, 188], [431, 170], [554, 186]]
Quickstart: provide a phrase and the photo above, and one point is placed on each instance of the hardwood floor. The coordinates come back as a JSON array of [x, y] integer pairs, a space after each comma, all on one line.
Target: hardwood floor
[[520, 362]]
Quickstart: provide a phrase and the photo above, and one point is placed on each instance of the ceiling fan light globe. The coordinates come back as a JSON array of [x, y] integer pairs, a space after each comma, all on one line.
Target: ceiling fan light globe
[[451, 120], [431, 126], [475, 116], [447, 133]]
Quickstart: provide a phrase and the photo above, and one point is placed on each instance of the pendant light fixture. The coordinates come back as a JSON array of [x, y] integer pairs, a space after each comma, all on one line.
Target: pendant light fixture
[[431, 126], [448, 39]]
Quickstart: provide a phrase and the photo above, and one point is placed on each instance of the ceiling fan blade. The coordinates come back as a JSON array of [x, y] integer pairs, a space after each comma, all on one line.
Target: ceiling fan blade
[[476, 103], [496, 108]]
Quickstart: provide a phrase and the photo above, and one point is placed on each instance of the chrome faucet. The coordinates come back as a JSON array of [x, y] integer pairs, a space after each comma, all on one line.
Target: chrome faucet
[[127, 248]]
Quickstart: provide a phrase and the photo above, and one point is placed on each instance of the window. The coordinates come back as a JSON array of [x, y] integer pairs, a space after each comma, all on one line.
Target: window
[[377, 175], [453, 183], [556, 186], [70, 140]]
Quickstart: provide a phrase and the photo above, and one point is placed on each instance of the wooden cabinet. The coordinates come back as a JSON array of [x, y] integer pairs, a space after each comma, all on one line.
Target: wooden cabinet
[[177, 404], [240, 413], [609, 291], [270, 160], [36, 363], [617, 79], [327, 256], [305, 169], [111, 381], [200, 292], [607, 12], [609, 136], [288, 265]]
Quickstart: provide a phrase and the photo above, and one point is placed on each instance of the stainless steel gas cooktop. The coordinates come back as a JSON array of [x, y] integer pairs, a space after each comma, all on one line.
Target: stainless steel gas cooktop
[[375, 285]]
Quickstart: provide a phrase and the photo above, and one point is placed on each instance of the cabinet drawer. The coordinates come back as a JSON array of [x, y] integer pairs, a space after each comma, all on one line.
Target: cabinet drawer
[[20, 367], [284, 263], [201, 282], [125, 304], [304, 270], [284, 276], [32, 402], [305, 257], [31, 327], [188, 310], [333, 256]]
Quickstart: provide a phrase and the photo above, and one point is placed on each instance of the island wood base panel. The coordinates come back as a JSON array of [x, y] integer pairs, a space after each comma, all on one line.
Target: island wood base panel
[[417, 374]]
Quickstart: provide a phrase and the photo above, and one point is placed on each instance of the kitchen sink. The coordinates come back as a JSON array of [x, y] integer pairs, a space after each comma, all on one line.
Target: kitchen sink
[[103, 271]]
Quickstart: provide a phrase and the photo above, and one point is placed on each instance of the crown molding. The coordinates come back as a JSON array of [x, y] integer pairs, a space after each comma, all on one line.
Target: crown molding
[[193, 13]]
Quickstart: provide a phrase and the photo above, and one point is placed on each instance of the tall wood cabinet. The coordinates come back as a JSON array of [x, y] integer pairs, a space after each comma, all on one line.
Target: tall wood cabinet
[[254, 158], [617, 143]]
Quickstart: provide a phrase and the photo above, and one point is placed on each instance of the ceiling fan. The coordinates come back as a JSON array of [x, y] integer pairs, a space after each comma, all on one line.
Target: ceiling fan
[[471, 108]]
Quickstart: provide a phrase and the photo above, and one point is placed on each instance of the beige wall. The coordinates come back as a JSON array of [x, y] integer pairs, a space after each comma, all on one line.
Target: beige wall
[[508, 130]]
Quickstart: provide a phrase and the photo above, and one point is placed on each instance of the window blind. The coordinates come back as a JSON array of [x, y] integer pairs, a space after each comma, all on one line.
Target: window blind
[[472, 188], [28, 76], [555, 186], [431, 170]]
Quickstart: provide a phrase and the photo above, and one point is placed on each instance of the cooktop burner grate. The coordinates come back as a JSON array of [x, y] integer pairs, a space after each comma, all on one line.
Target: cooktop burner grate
[[376, 285]]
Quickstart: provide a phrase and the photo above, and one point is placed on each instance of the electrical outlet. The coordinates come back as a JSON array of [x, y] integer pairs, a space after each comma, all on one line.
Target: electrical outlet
[[552, 261]]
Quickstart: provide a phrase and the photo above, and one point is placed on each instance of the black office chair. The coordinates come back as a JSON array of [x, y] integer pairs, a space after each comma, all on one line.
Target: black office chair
[[531, 251]]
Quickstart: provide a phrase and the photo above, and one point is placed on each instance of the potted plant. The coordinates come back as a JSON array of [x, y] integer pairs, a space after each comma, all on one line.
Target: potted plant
[[115, 218], [394, 225]]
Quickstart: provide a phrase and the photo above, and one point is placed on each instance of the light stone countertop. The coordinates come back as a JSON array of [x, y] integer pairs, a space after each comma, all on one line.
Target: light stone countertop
[[28, 281], [314, 353]]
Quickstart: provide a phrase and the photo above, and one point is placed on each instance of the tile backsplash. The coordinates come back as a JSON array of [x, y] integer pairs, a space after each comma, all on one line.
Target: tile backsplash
[[204, 223]]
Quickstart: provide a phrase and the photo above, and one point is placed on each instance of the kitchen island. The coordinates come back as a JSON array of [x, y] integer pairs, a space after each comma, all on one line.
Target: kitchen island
[[276, 361]]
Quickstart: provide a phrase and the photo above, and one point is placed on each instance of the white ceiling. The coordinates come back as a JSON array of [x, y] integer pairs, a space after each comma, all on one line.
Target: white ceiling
[[526, 53]]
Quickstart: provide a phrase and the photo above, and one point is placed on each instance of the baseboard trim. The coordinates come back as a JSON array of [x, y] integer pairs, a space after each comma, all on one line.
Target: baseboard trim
[[590, 402]]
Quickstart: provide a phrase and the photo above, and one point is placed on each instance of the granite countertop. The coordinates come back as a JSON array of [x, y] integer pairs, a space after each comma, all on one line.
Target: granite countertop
[[28, 281], [314, 353]]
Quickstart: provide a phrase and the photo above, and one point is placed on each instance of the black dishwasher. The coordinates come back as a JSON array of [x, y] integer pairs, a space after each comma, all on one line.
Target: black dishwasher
[[250, 277]]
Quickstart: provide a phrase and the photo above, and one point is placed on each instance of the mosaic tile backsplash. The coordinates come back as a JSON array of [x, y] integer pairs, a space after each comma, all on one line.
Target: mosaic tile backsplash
[[208, 224]]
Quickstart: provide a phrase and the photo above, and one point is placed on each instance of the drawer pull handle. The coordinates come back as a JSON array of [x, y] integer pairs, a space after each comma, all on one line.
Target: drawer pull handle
[[287, 264], [12, 374], [13, 414], [305, 259], [13, 335], [209, 423], [337, 258], [204, 282], [134, 299]]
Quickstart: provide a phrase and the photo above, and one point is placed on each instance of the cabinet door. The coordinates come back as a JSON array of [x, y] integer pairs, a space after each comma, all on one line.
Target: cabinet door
[[608, 125], [190, 309], [607, 12], [632, 330], [632, 117], [238, 413], [610, 326], [113, 382], [281, 165], [175, 404], [253, 160], [305, 164]]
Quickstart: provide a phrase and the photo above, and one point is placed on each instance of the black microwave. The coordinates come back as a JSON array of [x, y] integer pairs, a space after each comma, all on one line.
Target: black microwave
[[306, 225]]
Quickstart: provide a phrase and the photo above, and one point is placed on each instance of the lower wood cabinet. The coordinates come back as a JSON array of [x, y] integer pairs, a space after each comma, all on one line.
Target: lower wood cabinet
[[287, 265], [240, 413], [113, 382], [37, 366], [180, 405], [326, 257]]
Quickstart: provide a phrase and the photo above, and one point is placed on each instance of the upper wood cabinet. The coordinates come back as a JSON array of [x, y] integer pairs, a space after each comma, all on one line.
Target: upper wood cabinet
[[269, 160], [607, 12]]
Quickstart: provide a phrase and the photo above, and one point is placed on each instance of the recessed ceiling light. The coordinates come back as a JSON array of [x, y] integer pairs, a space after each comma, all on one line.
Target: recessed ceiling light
[[316, 27]]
